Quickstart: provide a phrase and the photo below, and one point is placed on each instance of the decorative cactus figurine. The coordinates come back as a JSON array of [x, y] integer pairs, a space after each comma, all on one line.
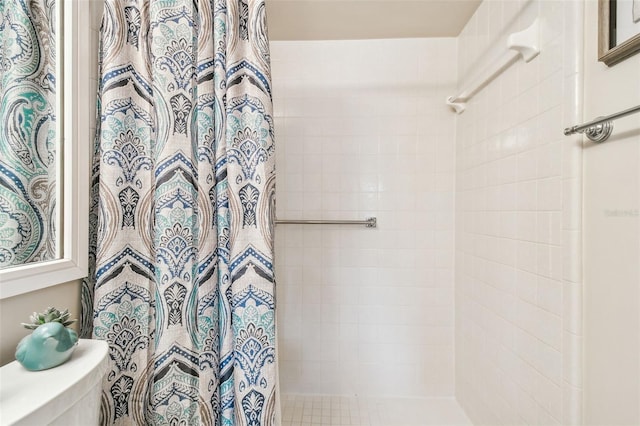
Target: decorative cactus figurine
[[51, 342]]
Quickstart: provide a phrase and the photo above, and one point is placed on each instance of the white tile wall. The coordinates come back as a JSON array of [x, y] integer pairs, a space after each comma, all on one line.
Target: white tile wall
[[518, 237], [363, 131]]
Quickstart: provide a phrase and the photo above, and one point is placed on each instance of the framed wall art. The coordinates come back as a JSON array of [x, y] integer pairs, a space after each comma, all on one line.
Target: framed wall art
[[619, 30]]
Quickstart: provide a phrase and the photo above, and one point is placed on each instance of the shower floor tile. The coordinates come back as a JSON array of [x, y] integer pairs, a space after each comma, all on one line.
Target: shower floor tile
[[313, 410]]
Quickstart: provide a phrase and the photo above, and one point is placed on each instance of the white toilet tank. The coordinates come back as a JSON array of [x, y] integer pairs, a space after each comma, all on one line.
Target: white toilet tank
[[65, 395]]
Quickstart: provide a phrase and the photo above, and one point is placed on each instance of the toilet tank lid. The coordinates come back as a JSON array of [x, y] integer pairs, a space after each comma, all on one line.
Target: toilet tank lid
[[30, 394]]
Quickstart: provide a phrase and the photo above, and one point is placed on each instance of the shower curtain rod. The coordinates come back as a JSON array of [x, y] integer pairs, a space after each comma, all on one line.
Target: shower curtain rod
[[370, 222], [600, 129]]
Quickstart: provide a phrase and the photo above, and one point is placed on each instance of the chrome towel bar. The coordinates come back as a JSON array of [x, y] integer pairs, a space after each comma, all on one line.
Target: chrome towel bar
[[370, 222], [600, 129]]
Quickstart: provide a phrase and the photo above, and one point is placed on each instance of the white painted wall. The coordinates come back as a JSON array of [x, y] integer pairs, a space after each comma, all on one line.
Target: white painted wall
[[518, 228], [612, 240], [363, 131]]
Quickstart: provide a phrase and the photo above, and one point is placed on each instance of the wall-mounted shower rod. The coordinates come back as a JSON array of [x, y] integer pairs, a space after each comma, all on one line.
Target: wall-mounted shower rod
[[600, 129], [370, 222], [524, 44]]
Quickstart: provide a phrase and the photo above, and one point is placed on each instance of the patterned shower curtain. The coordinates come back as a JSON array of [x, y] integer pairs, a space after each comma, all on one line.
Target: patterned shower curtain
[[182, 282], [27, 131]]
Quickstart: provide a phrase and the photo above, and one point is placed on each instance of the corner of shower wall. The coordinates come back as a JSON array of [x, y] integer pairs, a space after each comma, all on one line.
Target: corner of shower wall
[[572, 400], [518, 271]]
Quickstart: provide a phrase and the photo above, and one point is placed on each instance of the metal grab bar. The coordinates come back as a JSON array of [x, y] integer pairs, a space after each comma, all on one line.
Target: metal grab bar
[[600, 129], [370, 222], [525, 44]]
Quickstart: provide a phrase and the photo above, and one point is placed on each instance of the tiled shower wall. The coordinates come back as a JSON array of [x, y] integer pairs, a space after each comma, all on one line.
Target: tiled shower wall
[[363, 131], [518, 239]]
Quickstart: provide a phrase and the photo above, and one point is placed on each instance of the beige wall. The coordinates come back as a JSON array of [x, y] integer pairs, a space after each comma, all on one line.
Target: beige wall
[[612, 241], [15, 310]]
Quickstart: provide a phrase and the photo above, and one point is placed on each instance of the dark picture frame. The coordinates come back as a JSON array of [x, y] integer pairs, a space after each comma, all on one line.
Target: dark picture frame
[[609, 50]]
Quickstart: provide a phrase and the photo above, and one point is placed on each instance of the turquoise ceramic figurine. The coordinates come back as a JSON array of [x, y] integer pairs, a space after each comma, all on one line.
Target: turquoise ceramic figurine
[[51, 342]]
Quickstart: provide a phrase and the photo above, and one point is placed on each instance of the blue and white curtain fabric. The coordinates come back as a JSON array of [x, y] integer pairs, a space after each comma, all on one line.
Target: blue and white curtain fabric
[[27, 131], [182, 286]]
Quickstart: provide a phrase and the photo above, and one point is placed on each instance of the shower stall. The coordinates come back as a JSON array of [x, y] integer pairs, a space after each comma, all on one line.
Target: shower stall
[[365, 311], [468, 289]]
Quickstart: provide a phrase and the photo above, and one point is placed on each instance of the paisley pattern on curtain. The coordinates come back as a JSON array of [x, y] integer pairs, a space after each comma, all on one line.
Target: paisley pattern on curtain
[[182, 278], [27, 131]]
